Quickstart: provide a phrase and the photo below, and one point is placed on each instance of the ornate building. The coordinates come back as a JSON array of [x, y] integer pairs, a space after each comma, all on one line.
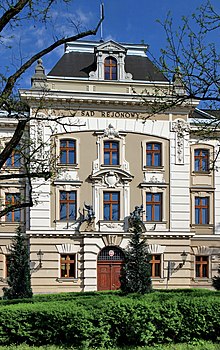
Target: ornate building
[[111, 149]]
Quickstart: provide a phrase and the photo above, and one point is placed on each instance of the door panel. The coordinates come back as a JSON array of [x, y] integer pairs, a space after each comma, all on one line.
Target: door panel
[[104, 277], [108, 275]]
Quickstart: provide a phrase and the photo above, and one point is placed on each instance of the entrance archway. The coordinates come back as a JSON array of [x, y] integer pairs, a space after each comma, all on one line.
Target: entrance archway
[[110, 261]]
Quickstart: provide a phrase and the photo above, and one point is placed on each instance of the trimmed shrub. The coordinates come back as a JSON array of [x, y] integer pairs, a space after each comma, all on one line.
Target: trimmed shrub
[[112, 320]]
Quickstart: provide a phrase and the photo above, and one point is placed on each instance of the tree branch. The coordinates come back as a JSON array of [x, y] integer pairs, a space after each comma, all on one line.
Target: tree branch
[[12, 12]]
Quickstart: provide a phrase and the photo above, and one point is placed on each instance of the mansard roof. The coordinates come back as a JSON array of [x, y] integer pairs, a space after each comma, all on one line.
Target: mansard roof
[[78, 62]]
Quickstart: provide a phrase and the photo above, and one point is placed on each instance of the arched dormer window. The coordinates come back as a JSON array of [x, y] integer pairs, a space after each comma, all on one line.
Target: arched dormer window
[[110, 67]]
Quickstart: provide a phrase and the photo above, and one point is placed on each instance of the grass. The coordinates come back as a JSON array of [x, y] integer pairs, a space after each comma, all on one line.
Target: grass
[[203, 345]]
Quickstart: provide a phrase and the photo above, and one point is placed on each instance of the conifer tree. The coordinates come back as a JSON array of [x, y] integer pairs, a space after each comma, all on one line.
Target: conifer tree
[[135, 273], [19, 279], [216, 280]]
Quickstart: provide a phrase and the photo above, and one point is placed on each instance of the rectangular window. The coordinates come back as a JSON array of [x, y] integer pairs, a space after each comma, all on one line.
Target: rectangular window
[[201, 210], [68, 266], [68, 205], [10, 200], [154, 207], [201, 160], [15, 159], [111, 206], [202, 266], [155, 265], [153, 154], [111, 153], [68, 151]]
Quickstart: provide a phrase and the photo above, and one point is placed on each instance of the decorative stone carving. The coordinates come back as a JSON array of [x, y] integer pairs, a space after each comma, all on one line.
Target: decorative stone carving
[[113, 240], [202, 250], [111, 132], [67, 248], [111, 226], [111, 179], [180, 127], [156, 249]]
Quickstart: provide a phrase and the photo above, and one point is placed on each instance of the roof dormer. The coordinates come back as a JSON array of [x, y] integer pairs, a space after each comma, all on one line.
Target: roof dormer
[[110, 60]]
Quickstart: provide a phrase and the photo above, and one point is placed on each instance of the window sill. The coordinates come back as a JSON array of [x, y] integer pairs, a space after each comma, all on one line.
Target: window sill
[[153, 167], [69, 165], [202, 279], [110, 165], [67, 279], [202, 173]]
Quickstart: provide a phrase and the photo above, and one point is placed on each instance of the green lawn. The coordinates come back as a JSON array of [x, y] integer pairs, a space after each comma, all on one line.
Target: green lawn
[[200, 346]]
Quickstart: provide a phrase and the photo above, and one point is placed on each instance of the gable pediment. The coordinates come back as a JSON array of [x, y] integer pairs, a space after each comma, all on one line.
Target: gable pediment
[[110, 46]]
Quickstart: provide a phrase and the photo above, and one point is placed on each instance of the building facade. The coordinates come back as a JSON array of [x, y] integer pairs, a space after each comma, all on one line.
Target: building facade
[[97, 123]]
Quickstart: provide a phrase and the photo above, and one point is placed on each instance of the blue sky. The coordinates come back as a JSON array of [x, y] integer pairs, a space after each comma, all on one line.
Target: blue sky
[[125, 21]]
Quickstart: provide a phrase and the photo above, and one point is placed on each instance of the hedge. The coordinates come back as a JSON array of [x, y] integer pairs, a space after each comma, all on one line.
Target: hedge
[[112, 321]]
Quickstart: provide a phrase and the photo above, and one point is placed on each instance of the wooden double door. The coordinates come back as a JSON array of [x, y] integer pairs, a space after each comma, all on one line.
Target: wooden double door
[[109, 266], [109, 275]]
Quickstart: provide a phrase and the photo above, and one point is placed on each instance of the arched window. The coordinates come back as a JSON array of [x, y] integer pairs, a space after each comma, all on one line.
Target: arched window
[[110, 66]]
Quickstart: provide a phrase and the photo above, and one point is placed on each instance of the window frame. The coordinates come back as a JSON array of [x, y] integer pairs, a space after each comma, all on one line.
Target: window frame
[[200, 157], [153, 152], [67, 202], [153, 263], [200, 208], [111, 67], [68, 149], [15, 212], [66, 262], [11, 161], [153, 204], [110, 151], [201, 262], [111, 202]]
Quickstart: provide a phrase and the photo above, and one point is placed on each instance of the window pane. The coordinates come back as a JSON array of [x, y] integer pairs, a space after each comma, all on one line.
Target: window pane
[[106, 196], [115, 196], [197, 216], [106, 212], [157, 159], [157, 146], [115, 145], [157, 213], [197, 271], [157, 270], [63, 143], [63, 195], [72, 195], [63, 157], [205, 219], [107, 158], [17, 215], [149, 213], [114, 159], [157, 197], [204, 271], [72, 157], [72, 211], [71, 143], [63, 214], [149, 159], [115, 212]]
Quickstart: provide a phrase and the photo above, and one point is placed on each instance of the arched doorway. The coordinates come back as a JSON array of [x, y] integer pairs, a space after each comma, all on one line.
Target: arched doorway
[[109, 264]]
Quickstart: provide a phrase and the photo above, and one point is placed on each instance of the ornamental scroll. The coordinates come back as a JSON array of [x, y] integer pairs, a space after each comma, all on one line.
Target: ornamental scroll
[[180, 127]]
